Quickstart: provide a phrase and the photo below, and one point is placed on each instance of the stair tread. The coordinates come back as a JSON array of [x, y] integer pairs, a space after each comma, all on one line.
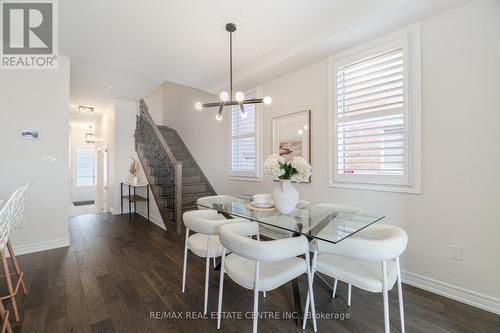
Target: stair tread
[[200, 194], [194, 183]]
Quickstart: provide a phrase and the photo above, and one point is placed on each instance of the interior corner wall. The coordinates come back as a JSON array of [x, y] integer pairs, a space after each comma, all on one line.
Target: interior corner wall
[[36, 99]]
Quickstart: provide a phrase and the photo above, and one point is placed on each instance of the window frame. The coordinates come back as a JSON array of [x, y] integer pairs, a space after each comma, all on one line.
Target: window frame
[[411, 181], [247, 176]]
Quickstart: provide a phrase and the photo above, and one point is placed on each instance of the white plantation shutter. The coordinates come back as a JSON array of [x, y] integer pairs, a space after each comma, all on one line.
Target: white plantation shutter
[[243, 142], [370, 115], [370, 105]]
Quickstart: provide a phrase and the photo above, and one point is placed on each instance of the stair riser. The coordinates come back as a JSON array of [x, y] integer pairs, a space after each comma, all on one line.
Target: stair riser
[[190, 171], [190, 199], [186, 179], [183, 156], [177, 149], [192, 189]]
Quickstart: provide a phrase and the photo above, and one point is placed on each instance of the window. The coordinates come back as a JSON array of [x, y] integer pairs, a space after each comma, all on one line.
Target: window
[[375, 115], [244, 143], [84, 167]]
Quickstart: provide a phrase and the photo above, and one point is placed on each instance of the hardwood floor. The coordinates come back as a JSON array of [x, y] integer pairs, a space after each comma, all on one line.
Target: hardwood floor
[[116, 274]]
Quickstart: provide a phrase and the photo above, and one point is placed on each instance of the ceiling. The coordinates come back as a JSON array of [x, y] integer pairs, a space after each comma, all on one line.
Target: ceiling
[[135, 45], [83, 120]]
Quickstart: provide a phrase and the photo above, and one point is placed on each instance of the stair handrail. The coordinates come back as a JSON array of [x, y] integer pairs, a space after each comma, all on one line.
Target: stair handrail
[[177, 166]]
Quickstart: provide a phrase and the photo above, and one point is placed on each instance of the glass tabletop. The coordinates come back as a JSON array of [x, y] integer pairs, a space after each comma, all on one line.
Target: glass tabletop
[[328, 222]]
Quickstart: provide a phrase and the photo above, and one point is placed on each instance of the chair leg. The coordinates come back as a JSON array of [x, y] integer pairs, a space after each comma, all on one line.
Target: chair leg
[[400, 296], [264, 293], [215, 264], [16, 266], [386, 297], [207, 266], [311, 290], [221, 288], [308, 300], [184, 267], [256, 297], [334, 288], [349, 292], [10, 290], [5, 318]]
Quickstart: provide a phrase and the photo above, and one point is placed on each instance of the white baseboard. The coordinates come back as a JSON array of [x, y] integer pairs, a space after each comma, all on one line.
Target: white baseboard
[[460, 294], [41, 246], [152, 218]]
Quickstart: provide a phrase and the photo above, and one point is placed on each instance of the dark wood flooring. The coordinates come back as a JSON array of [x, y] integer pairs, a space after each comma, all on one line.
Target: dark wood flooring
[[116, 273]]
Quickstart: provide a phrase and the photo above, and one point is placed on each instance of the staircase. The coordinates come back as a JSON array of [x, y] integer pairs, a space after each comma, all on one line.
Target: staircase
[[176, 180], [194, 183]]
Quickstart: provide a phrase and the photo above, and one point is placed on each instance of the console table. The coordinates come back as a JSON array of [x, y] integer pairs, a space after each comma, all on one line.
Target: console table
[[133, 198]]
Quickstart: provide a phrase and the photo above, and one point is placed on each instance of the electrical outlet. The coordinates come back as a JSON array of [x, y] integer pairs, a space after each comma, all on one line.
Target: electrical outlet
[[456, 252]]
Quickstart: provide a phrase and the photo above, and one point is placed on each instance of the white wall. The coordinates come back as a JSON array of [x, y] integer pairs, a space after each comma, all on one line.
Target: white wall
[[36, 99], [461, 182], [154, 101]]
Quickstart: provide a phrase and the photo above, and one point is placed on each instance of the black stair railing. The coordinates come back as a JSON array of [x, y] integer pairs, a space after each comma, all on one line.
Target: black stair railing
[[162, 169]]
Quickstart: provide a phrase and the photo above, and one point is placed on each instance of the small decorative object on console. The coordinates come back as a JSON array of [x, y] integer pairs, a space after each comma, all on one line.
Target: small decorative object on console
[[132, 180]]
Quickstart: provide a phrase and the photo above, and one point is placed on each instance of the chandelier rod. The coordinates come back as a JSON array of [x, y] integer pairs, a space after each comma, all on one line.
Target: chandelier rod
[[231, 27], [227, 99]]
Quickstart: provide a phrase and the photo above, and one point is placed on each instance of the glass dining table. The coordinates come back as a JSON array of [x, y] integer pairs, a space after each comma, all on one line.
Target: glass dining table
[[325, 222], [330, 223]]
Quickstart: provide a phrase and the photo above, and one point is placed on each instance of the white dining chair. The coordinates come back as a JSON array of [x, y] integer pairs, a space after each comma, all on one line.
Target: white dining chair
[[369, 261], [261, 265], [6, 214], [16, 221], [340, 208], [20, 205], [204, 243]]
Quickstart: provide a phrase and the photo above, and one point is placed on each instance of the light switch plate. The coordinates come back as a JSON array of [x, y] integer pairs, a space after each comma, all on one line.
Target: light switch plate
[[456, 252], [52, 159]]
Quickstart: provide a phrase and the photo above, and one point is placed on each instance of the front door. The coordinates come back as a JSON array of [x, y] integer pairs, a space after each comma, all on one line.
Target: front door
[[83, 173]]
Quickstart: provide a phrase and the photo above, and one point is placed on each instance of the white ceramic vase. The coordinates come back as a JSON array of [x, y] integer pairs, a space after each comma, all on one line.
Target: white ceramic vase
[[132, 180], [285, 197]]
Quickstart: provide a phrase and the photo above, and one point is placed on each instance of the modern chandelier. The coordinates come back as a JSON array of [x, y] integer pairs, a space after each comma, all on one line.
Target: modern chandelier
[[226, 99], [90, 137]]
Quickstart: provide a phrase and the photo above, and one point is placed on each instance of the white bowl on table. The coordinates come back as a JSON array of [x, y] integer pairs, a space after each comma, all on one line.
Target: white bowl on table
[[262, 200]]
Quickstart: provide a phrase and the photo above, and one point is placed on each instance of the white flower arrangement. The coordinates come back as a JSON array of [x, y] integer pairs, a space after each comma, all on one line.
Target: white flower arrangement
[[297, 170]]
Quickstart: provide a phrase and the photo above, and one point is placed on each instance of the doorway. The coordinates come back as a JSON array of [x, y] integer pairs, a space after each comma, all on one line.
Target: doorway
[[83, 175], [83, 179]]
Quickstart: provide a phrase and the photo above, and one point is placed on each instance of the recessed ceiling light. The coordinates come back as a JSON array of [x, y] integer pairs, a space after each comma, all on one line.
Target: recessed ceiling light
[[85, 109]]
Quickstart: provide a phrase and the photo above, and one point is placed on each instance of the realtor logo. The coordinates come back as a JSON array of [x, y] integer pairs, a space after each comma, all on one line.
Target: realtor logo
[[29, 34]]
